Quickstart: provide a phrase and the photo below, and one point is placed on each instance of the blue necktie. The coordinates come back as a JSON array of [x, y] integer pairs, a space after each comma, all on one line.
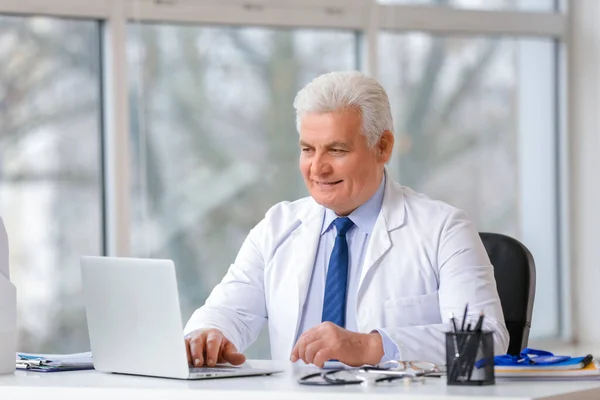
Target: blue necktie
[[334, 301]]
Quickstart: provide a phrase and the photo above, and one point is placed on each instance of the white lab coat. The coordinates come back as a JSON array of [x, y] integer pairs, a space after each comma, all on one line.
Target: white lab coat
[[424, 261]]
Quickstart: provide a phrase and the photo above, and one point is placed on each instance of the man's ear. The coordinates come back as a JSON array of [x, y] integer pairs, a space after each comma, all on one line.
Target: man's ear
[[385, 146]]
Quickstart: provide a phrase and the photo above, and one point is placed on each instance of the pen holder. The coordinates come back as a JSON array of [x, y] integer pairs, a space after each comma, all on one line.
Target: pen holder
[[470, 358]]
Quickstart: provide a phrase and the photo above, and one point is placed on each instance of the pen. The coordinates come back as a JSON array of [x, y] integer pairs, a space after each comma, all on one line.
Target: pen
[[462, 339], [462, 326], [479, 322], [452, 367], [453, 320], [473, 347], [456, 352], [30, 363], [587, 359]]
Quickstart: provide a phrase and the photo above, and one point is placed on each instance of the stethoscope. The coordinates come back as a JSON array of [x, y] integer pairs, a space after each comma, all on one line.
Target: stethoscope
[[386, 372]]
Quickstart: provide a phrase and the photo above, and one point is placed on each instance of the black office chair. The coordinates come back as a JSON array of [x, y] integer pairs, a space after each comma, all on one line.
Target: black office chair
[[514, 270]]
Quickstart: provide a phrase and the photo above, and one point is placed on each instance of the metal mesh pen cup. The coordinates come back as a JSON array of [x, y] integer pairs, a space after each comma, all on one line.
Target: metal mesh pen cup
[[470, 358]]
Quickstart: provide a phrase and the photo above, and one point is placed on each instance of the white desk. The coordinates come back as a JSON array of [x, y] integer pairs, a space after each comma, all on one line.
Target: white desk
[[79, 385]]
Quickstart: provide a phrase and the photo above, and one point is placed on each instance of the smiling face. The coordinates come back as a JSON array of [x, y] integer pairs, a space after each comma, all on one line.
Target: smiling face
[[340, 171]]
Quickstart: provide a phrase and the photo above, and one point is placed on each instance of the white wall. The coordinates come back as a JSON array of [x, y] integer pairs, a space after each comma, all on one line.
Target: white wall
[[584, 152]]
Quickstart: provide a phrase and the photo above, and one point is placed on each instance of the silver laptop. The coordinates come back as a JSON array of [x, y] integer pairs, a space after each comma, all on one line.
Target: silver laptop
[[134, 320]]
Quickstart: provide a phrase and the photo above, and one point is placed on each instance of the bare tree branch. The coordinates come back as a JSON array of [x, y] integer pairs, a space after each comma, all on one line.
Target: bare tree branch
[[77, 178], [465, 143], [14, 134], [252, 56], [469, 77]]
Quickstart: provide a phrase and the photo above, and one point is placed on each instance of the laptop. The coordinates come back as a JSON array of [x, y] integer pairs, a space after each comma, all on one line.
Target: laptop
[[134, 320]]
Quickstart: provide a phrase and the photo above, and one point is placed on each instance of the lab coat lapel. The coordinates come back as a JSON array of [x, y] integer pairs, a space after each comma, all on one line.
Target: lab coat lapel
[[390, 217], [305, 243]]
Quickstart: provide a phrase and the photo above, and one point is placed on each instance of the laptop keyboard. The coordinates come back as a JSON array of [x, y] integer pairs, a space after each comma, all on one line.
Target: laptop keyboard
[[211, 370]]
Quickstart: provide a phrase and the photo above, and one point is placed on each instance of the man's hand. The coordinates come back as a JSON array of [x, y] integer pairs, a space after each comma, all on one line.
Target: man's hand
[[328, 341], [209, 347]]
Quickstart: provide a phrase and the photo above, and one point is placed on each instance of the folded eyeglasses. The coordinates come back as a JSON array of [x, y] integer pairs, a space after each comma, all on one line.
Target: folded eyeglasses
[[407, 371]]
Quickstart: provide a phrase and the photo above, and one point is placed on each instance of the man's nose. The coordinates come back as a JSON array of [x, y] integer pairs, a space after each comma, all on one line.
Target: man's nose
[[320, 166]]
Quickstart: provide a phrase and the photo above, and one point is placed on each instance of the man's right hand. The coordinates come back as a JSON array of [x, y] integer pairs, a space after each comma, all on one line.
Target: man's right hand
[[209, 347]]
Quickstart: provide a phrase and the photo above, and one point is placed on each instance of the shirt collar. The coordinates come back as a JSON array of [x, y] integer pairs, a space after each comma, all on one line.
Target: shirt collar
[[364, 217]]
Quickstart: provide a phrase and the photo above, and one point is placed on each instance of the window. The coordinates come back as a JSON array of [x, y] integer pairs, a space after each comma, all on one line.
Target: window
[[50, 180], [214, 140], [475, 127], [516, 5]]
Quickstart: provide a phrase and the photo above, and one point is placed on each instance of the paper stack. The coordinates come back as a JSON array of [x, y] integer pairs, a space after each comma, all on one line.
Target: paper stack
[[578, 368], [54, 362]]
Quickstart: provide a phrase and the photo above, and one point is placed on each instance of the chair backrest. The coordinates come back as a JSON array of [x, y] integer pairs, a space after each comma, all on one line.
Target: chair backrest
[[514, 270]]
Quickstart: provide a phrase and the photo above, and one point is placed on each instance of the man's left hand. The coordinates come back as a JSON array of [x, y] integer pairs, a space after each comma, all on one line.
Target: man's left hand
[[327, 341]]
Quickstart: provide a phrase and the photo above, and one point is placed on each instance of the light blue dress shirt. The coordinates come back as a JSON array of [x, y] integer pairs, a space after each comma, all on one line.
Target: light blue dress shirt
[[364, 218]]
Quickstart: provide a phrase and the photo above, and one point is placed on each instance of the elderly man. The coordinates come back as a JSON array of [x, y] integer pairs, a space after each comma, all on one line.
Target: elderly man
[[362, 271]]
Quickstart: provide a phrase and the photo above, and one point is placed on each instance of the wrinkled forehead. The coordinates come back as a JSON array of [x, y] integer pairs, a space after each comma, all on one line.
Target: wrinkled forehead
[[330, 131]]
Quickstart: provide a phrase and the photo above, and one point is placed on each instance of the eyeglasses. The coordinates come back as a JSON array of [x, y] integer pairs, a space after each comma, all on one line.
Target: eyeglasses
[[408, 371]]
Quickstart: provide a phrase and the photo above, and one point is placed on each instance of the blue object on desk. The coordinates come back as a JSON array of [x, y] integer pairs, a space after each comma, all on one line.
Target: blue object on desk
[[530, 356]]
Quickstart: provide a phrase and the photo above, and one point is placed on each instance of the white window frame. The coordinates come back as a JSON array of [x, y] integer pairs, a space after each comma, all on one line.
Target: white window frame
[[365, 16]]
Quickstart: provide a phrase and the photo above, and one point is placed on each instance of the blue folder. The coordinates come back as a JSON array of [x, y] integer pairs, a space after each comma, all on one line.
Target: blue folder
[[540, 359]]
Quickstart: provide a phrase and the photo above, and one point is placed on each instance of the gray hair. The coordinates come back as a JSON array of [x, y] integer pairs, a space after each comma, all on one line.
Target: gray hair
[[338, 90]]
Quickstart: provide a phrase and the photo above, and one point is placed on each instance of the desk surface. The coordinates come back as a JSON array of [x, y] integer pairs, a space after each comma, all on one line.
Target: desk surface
[[96, 385]]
